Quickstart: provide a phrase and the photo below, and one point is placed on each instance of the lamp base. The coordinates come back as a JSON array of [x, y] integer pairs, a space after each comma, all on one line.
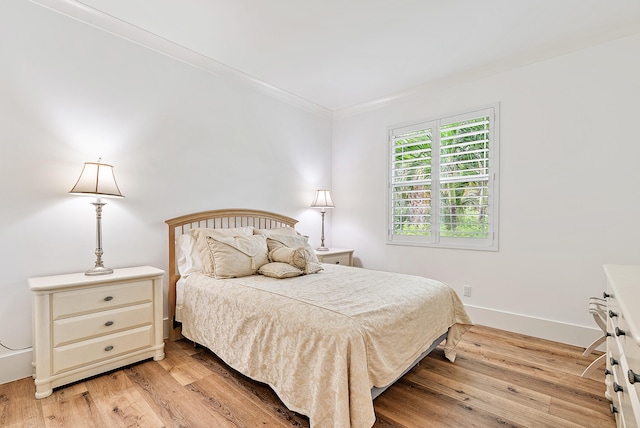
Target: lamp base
[[322, 249], [98, 270]]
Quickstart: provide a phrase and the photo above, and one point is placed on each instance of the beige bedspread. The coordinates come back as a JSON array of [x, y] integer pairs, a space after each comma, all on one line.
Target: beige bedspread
[[322, 341]]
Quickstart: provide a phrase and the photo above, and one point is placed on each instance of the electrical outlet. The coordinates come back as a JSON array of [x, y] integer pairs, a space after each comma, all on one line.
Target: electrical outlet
[[467, 291]]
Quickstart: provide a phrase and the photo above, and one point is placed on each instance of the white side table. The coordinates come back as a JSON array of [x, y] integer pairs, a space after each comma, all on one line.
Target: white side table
[[338, 256], [87, 325]]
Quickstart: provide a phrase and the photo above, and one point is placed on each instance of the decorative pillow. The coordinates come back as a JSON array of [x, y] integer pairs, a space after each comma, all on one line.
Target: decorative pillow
[[187, 256], [313, 267], [279, 270], [201, 234], [298, 241], [298, 257], [294, 250], [235, 256]]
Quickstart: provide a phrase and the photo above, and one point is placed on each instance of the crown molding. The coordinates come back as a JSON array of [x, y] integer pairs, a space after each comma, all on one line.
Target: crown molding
[[98, 19]]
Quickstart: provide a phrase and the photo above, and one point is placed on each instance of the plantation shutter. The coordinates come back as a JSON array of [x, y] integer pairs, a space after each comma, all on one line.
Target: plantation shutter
[[443, 186], [411, 181], [464, 177]]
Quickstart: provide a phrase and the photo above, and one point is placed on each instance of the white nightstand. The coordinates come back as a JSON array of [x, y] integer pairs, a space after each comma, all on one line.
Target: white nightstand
[[338, 256], [87, 325]]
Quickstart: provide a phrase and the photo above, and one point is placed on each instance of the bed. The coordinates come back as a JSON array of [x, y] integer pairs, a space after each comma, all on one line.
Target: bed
[[328, 339]]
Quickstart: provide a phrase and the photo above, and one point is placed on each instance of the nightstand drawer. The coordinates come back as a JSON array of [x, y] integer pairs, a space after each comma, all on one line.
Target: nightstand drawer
[[89, 351], [337, 259], [77, 328], [68, 303]]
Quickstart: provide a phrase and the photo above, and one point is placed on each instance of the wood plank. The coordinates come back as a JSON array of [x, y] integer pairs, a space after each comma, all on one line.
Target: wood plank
[[120, 402], [168, 399], [490, 385], [256, 390], [477, 398], [15, 410], [71, 410]]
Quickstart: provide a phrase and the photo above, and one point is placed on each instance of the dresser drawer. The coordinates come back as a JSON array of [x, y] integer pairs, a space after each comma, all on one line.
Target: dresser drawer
[[69, 303], [73, 329], [336, 259], [92, 350]]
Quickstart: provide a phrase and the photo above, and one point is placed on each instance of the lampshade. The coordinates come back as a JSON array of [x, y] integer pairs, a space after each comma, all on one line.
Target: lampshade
[[322, 200], [97, 179]]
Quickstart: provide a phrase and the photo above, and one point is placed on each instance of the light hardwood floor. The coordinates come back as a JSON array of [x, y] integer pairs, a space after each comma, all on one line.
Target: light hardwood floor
[[499, 379]]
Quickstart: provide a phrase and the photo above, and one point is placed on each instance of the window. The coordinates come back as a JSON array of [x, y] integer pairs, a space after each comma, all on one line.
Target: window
[[443, 186]]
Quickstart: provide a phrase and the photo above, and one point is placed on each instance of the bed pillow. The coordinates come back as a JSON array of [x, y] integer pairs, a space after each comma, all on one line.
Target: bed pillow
[[285, 230], [279, 270], [298, 257], [294, 250], [298, 241], [236, 256], [203, 251], [187, 256]]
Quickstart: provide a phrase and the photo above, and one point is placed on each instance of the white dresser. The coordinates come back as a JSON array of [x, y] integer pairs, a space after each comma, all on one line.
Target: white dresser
[[86, 325], [623, 343]]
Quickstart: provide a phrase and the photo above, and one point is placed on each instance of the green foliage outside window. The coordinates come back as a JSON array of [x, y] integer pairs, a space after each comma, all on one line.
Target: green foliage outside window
[[462, 182]]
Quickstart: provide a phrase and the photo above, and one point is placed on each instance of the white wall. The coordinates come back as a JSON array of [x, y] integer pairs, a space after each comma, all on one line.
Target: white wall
[[181, 140], [569, 176]]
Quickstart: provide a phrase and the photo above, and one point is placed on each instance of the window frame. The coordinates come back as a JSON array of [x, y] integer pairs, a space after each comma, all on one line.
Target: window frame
[[490, 243]]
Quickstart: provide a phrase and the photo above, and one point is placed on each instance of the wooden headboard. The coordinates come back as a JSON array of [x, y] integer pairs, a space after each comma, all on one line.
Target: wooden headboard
[[216, 219]]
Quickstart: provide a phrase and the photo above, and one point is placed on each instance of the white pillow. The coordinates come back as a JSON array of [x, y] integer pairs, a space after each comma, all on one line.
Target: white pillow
[[187, 256]]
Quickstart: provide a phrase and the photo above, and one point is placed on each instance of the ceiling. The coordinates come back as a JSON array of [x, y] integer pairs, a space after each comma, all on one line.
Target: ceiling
[[341, 53]]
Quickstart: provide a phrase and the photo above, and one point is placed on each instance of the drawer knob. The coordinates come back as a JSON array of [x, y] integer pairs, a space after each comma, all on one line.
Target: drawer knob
[[607, 334], [633, 378], [613, 361], [613, 408], [108, 298], [108, 323], [607, 372], [617, 388], [606, 295], [620, 332], [108, 348], [338, 262], [612, 314]]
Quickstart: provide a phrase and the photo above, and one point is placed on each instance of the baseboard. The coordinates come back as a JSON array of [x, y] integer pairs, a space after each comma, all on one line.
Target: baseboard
[[16, 366], [538, 327]]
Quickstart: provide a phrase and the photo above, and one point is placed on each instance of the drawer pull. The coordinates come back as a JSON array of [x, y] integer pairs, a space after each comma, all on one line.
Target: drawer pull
[[108, 298], [617, 388], [108, 323], [607, 372], [612, 314], [613, 361], [633, 378], [606, 295], [620, 332], [607, 334], [613, 408], [338, 262], [108, 348]]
